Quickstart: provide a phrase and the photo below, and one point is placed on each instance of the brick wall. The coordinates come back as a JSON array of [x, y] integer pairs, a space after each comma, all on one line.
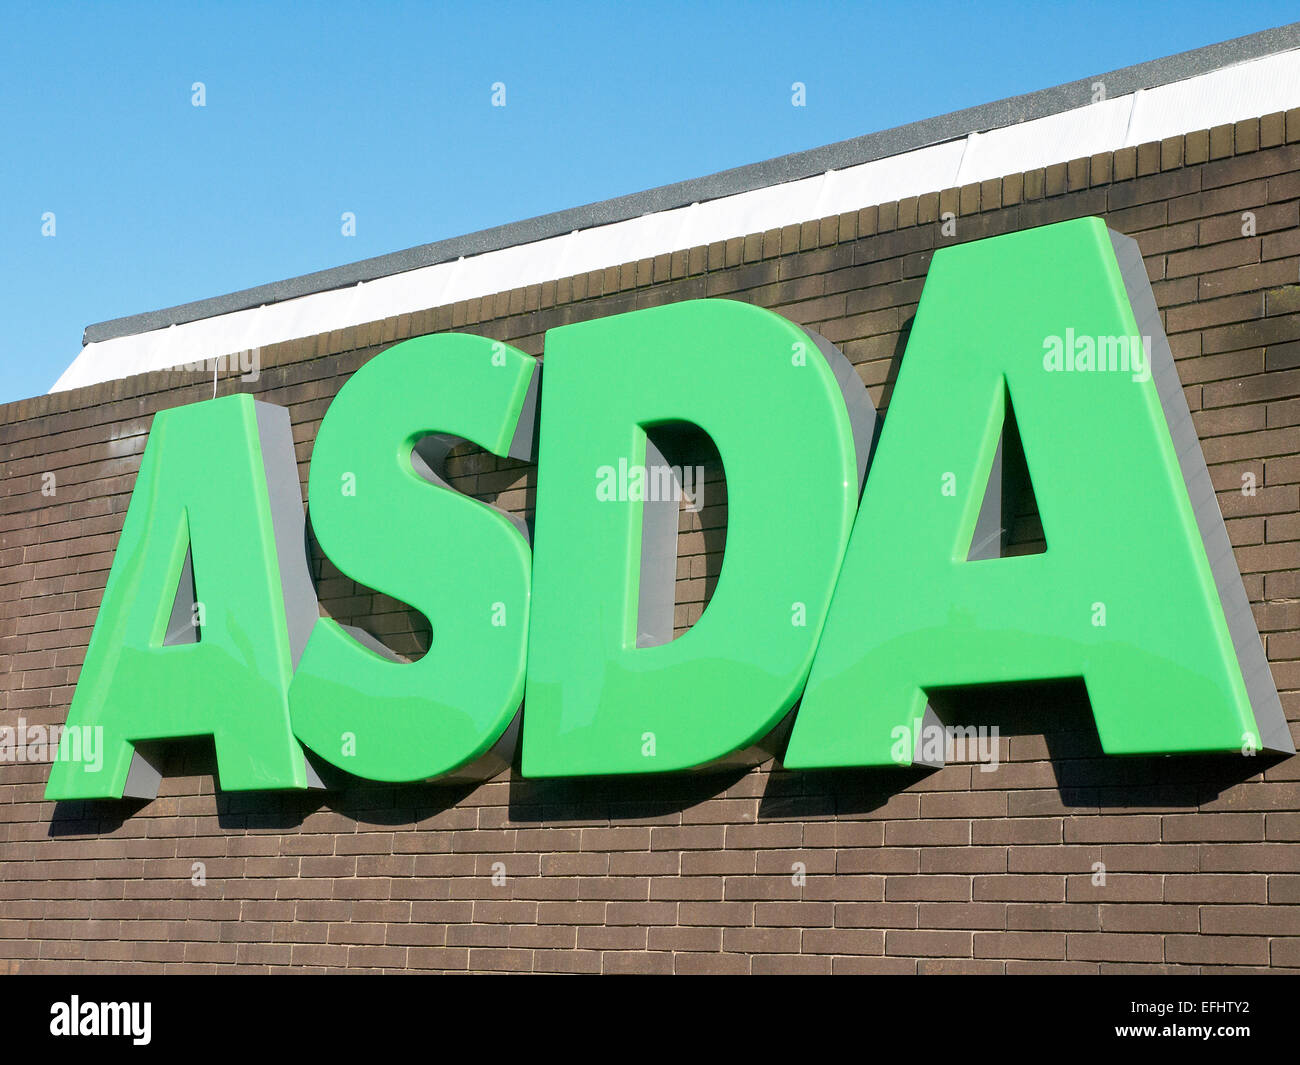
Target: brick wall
[[955, 870]]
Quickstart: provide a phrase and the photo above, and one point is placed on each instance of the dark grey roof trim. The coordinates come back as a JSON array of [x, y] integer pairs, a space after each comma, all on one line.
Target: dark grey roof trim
[[785, 168]]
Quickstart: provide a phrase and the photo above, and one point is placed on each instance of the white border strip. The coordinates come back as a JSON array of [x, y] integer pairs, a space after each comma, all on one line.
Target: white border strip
[[1247, 90]]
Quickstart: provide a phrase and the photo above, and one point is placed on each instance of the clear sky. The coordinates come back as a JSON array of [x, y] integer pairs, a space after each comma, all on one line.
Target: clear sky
[[385, 110]]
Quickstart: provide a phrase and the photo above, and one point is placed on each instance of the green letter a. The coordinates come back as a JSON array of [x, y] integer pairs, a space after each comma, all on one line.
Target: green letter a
[[208, 603], [1137, 592]]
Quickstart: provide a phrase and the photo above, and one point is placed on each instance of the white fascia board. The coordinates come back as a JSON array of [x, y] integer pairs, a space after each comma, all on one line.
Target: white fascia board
[[1247, 90], [1262, 86]]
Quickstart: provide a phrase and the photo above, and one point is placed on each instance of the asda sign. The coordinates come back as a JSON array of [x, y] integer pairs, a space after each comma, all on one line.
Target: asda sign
[[858, 602]]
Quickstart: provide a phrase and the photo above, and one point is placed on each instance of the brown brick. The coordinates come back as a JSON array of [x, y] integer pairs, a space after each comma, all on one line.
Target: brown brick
[[952, 872], [950, 944], [1217, 950]]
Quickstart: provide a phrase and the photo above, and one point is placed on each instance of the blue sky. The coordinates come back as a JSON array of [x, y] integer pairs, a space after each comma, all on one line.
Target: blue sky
[[385, 110]]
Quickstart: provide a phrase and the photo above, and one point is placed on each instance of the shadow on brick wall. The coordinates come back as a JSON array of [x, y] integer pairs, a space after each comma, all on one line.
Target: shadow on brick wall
[[1047, 745]]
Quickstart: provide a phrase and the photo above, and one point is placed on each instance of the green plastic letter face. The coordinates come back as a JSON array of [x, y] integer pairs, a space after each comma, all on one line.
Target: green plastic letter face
[[608, 690], [1137, 591], [203, 610], [409, 535]]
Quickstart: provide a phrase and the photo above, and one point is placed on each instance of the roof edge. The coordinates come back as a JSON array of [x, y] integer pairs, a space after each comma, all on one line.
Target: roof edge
[[857, 150]]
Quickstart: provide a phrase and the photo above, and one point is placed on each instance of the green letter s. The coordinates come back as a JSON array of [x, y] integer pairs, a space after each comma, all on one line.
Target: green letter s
[[461, 563]]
